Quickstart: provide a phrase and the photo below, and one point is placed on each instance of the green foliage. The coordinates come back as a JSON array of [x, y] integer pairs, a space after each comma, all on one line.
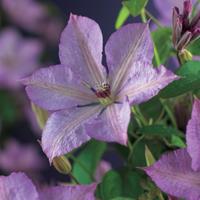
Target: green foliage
[[110, 187], [116, 185], [8, 108], [151, 109], [135, 6], [122, 17], [189, 80], [87, 161], [163, 43], [194, 47], [122, 198], [160, 131], [138, 159]]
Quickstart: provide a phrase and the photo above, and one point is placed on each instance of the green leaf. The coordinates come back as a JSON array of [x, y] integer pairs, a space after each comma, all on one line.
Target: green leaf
[[89, 157], [194, 47], [131, 180], [189, 81], [8, 108], [163, 43], [122, 198], [110, 187], [177, 141], [135, 6], [138, 157], [122, 17], [151, 109], [160, 131], [125, 183]]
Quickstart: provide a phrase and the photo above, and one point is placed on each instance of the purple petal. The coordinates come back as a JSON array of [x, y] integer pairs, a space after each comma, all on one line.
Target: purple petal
[[81, 49], [193, 136], [102, 168], [28, 14], [53, 88], [82, 192], [17, 157], [18, 57], [64, 130], [126, 46], [145, 82], [17, 186], [173, 174], [112, 124]]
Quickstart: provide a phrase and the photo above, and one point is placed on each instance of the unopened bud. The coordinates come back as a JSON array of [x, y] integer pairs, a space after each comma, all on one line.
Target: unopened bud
[[40, 114], [150, 160], [184, 56], [62, 164]]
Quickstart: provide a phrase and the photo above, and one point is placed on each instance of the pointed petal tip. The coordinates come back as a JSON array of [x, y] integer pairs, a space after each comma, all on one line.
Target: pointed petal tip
[[73, 17]]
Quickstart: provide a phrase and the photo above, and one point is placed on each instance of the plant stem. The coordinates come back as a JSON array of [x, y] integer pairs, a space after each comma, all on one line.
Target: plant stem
[[157, 22], [169, 112], [143, 16], [73, 178], [132, 147]]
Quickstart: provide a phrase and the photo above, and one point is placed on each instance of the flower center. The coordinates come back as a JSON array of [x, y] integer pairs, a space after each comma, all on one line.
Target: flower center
[[103, 94]]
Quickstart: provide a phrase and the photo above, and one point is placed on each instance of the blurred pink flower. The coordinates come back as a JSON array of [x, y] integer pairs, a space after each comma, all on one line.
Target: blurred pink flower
[[18, 157], [34, 17], [18, 186], [18, 57], [102, 168]]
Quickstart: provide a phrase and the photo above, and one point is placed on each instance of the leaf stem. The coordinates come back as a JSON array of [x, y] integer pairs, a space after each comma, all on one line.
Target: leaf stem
[[157, 22]]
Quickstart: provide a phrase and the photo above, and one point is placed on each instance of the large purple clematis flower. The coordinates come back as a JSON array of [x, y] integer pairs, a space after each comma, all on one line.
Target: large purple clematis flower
[[92, 102], [178, 173], [19, 57], [18, 186]]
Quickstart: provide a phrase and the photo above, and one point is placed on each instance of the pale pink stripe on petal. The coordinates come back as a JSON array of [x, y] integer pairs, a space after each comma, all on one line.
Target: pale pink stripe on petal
[[64, 130], [55, 88], [145, 82], [81, 49]]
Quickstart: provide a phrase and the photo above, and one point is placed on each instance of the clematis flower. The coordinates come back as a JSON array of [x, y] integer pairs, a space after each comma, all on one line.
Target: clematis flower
[[18, 57], [94, 102], [17, 157], [18, 186], [34, 17], [178, 173]]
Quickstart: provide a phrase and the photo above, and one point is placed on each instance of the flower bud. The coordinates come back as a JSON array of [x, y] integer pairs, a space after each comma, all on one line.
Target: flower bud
[[40, 114], [185, 55], [62, 165]]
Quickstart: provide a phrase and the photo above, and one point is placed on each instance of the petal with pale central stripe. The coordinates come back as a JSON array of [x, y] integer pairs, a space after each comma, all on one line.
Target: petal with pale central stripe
[[81, 49], [173, 174], [54, 88], [65, 130], [112, 124], [126, 46], [145, 82]]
